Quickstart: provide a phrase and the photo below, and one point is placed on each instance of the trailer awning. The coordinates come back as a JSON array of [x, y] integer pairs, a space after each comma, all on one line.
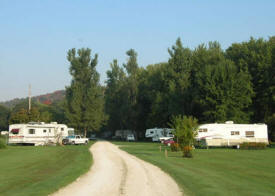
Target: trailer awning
[[15, 131]]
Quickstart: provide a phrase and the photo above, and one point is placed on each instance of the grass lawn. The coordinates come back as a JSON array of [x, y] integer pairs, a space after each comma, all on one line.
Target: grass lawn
[[213, 171], [40, 170]]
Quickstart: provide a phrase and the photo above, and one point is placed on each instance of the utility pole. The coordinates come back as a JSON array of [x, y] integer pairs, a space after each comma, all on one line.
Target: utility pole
[[30, 99]]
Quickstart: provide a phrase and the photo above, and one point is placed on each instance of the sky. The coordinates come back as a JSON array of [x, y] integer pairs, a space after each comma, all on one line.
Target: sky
[[35, 35]]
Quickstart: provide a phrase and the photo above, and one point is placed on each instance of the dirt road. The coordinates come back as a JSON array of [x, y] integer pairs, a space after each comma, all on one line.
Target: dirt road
[[116, 172]]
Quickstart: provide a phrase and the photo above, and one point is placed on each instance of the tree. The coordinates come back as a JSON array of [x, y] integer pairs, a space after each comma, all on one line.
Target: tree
[[84, 97], [225, 93], [34, 115], [271, 127], [258, 57], [4, 118], [19, 117], [114, 98], [131, 90], [178, 78], [185, 130]]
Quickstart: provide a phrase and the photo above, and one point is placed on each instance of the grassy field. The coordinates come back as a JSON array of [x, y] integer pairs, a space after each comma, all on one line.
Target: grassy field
[[213, 171], [29, 170]]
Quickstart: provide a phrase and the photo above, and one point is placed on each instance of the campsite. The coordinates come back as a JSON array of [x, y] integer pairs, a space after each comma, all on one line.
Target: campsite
[[137, 98], [42, 170]]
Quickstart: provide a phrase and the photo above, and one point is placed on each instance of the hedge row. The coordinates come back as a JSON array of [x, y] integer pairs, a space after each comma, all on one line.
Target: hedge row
[[252, 146]]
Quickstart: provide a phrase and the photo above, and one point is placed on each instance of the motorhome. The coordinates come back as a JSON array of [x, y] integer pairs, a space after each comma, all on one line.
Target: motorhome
[[230, 134], [157, 134], [38, 133]]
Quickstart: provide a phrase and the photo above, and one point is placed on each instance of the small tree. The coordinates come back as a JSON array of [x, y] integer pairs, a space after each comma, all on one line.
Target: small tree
[[185, 132]]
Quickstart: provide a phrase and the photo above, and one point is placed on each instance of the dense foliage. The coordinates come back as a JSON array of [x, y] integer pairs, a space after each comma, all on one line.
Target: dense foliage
[[208, 83], [4, 117]]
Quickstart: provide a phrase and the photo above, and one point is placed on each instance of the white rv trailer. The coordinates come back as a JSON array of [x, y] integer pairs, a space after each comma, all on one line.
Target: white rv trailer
[[158, 133], [230, 134], [37, 133]]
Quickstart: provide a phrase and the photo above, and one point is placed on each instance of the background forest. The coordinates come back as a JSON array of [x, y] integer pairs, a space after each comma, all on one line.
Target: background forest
[[207, 82]]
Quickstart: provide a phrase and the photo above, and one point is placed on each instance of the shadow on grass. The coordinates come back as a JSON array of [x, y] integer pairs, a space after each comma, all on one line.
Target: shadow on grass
[[139, 153]]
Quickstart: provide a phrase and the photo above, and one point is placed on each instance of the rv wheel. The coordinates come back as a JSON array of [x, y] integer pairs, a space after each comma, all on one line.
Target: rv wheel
[[73, 143]]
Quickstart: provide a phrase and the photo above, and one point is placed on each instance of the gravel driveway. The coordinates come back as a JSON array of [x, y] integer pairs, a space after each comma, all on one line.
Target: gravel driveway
[[115, 172]]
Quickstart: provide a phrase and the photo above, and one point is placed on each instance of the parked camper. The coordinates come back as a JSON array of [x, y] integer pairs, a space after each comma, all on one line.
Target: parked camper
[[37, 133], [158, 134], [122, 134], [230, 134]]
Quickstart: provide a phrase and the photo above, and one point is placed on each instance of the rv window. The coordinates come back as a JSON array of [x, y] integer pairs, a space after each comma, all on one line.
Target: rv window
[[249, 133], [62, 129], [31, 131], [235, 133], [202, 130], [45, 131], [151, 132]]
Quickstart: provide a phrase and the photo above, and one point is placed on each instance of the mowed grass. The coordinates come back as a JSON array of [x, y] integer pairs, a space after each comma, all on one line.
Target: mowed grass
[[213, 171], [41, 170]]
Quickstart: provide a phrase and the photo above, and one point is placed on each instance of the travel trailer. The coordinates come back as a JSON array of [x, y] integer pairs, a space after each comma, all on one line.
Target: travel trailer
[[38, 133], [158, 134], [230, 134]]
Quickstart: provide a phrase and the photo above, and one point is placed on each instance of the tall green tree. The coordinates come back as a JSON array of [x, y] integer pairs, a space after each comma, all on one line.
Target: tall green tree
[[114, 98], [225, 93], [258, 57], [4, 118], [84, 97], [178, 78], [130, 90]]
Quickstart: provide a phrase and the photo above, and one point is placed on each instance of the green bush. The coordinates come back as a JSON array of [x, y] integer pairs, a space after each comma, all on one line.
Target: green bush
[[2, 143], [252, 146], [271, 144], [200, 144]]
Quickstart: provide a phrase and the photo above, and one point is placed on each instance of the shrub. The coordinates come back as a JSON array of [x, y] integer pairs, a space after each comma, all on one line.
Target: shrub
[[187, 151], [174, 147], [2, 143], [252, 146], [200, 144], [271, 144]]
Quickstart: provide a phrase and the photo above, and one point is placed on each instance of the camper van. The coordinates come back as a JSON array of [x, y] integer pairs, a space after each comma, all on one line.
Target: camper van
[[158, 134], [230, 134], [37, 133]]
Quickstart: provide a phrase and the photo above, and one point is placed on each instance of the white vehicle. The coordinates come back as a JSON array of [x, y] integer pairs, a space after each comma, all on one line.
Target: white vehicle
[[123, 134], [75, 139], [130, 137], [230, 134], [37, 133], [158, 134]]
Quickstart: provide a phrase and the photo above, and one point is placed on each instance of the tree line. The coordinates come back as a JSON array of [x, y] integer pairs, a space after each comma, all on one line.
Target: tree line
[[207, 82]]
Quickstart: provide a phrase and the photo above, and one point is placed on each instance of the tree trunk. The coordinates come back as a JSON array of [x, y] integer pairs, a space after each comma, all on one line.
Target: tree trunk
[[85, 132]]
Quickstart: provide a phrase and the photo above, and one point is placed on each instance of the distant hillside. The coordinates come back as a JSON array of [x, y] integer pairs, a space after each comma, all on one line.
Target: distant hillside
[[45, 99]]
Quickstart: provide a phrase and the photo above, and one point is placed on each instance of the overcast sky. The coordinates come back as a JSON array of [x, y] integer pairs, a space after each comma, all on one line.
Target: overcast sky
[[36, 35]]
